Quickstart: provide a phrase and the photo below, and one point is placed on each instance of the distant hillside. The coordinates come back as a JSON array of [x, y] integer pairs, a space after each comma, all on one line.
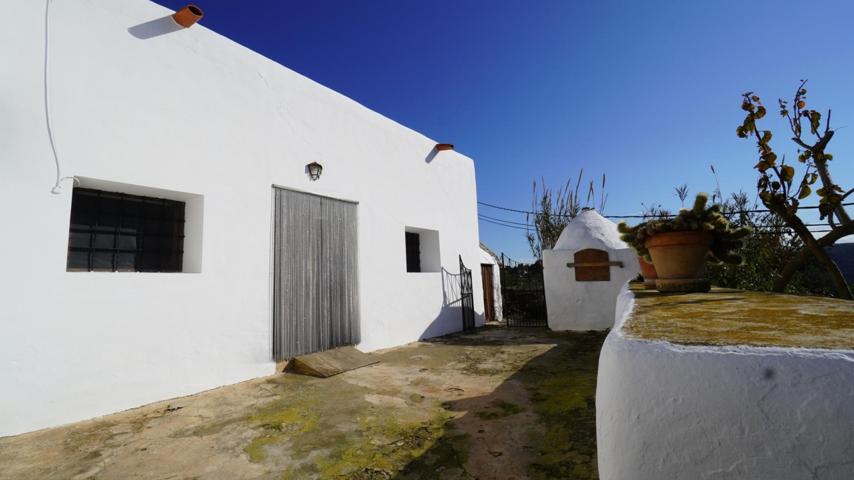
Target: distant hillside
[[843, 255]]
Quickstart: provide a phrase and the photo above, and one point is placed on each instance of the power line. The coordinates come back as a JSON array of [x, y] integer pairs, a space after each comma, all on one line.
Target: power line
[[758, 229], [504, 220], [504, 208], [504, 225], [528, 212], [529, 225], [487, 220]]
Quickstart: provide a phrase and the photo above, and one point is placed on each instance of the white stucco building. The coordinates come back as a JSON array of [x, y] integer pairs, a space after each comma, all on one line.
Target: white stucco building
[[585, 272], [195, 226]]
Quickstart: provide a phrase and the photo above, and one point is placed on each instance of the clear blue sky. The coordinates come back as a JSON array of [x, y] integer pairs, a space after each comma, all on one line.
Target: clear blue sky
[[645, 92]]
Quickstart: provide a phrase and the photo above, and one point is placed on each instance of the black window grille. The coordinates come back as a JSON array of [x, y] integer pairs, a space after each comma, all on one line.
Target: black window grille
[[117, 232], [413, 252]]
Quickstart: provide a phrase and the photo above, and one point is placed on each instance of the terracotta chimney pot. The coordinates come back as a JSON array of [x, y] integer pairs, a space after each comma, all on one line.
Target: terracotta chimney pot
[[188, 15]]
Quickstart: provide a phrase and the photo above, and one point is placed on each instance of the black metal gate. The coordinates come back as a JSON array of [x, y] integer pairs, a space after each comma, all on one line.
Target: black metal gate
[[466, 296], [523, 294]]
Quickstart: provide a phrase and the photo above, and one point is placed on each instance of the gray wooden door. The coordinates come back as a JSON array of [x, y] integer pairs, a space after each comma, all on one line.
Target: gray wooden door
[[315, 289]]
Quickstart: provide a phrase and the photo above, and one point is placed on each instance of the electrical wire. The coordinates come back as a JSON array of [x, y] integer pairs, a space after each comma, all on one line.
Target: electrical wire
[[503, 225], [505, 221], [528, 212], [529, 225], [57, 188], [755, 232], [758, 230]]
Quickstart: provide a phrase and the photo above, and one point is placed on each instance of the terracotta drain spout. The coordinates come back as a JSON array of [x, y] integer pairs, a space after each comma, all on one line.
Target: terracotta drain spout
[[444, 146], [188, 15]]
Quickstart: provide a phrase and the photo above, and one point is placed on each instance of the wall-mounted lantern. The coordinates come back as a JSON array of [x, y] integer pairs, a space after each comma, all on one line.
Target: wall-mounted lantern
[[314, 170]]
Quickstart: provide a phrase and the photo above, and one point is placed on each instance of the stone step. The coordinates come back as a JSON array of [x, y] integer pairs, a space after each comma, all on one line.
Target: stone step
[[330, 362]]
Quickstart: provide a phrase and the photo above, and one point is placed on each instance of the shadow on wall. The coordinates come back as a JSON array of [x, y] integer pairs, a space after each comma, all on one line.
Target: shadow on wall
[[430, 156], [450, 318], [540, 422], [154, 28], [451, 287]]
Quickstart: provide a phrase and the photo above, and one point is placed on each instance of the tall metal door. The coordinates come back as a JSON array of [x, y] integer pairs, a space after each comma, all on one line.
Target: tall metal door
[[315, 289]]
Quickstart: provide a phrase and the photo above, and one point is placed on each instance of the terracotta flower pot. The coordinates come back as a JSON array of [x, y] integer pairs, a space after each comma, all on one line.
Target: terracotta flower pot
[[680, 260], [648, 272], [188, 15]]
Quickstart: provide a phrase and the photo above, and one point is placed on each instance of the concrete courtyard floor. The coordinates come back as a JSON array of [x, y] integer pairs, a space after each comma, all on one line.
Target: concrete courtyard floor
[[494, 404]]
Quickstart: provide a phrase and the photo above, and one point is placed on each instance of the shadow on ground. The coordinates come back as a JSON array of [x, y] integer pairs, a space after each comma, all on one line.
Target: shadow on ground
[[496, 403], [558, 439]]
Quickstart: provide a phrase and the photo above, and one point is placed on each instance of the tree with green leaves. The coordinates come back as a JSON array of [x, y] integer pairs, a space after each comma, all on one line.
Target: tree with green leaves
[[781, 194]]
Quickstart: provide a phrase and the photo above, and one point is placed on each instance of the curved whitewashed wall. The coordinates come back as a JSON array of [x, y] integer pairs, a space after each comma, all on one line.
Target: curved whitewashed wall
[[136, 102], [668, 411], [589, 229], [581, 306], [585, 305]]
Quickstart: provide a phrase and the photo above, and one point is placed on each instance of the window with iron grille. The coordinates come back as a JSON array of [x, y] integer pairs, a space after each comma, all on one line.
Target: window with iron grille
[[117, 232], [413, 252]]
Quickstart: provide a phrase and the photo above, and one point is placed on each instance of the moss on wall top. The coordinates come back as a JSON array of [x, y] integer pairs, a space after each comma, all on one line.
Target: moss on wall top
[[734, 317]]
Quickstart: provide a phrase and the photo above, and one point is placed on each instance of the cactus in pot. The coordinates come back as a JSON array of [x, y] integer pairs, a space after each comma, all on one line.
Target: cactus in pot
[[680, 246]]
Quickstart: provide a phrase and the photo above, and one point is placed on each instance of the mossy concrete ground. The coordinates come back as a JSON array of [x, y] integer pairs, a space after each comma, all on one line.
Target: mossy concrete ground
[[735, 317], [493, 404]]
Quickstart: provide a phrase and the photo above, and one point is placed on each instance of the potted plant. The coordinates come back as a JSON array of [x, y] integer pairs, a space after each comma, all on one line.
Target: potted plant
[[648, 272], [680, 246]]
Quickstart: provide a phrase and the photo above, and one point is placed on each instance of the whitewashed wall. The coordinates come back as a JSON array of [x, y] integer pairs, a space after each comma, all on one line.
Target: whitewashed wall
[[693, 412], [586, 305], [190, 111], [582, 306]]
